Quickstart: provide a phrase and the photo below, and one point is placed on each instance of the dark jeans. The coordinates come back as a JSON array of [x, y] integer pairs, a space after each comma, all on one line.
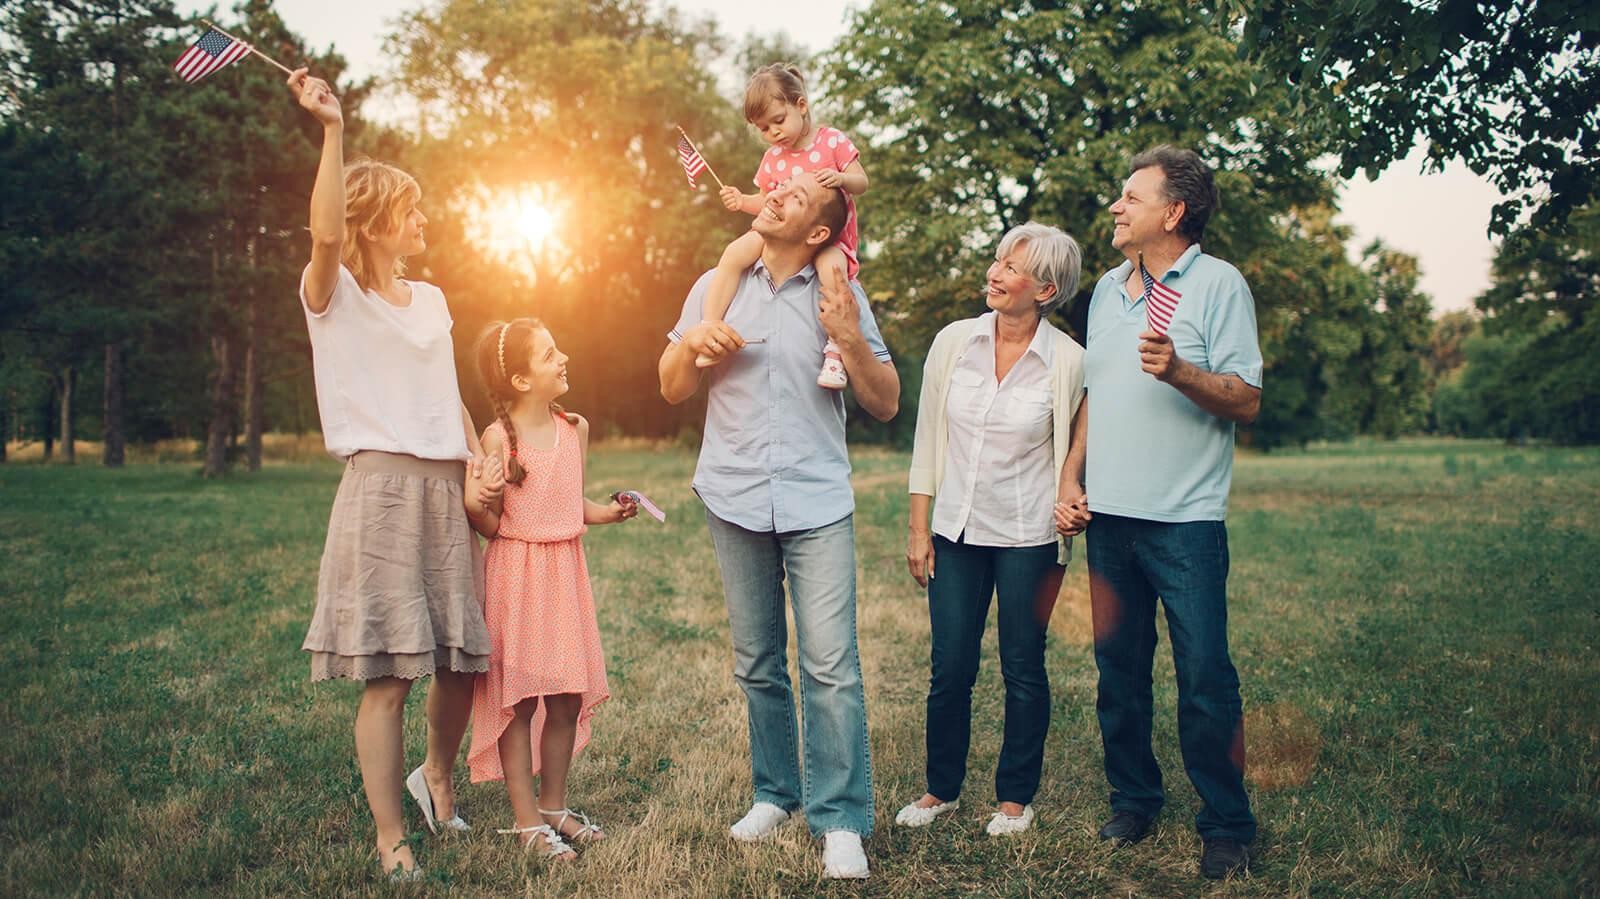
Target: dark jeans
[[1131, 563], [1026, 580]]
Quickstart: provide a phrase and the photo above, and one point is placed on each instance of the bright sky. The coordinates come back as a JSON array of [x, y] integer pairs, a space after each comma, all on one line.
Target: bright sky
[[1440, 218]]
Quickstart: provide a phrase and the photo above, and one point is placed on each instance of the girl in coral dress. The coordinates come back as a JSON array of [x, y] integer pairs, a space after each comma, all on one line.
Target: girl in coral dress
[[531, 711]]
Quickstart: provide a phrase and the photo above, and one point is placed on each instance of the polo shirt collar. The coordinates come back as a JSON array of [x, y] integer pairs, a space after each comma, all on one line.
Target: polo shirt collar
[[1124, 271]]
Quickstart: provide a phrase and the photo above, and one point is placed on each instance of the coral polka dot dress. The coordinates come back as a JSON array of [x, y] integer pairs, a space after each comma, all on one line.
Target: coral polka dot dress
[[538, 604]]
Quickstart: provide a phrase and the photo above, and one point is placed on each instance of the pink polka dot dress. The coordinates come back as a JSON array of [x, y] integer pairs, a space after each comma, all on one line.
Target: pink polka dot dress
[[538, 605], [830, 149]]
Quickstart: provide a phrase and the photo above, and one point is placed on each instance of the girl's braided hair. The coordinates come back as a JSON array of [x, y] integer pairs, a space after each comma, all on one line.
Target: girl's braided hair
[[503, 351]]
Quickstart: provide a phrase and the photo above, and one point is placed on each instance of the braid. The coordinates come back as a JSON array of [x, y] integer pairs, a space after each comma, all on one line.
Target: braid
[[513, 467]]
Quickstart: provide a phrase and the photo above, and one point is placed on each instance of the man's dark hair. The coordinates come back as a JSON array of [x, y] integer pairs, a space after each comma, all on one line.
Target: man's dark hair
[[834, 214], [1189, 181]]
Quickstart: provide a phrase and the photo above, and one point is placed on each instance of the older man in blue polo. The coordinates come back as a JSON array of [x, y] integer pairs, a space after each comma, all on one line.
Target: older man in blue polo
[[774, 475], [1172, 366]]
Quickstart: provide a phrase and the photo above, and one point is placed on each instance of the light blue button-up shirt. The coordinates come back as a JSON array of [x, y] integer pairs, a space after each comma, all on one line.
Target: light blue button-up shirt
[[773, 457], [1153, 453]]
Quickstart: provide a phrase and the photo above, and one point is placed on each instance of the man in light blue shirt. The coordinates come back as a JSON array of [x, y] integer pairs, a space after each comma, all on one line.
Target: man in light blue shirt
[[774, 475], [1165, 389]]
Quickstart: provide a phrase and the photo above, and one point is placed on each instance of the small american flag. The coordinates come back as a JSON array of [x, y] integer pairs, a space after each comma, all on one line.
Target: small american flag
[[693, 162], [214, 50], [1160, 301]]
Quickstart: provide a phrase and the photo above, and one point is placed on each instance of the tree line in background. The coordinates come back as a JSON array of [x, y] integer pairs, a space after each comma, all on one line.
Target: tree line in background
[[152, 232]]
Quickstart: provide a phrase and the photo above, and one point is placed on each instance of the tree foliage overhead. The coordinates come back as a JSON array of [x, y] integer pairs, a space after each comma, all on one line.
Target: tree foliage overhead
[[1509, 87], [978, 116], [574, 103]]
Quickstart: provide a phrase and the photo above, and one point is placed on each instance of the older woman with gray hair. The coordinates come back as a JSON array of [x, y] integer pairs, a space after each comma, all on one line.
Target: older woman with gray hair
[[999, 393]]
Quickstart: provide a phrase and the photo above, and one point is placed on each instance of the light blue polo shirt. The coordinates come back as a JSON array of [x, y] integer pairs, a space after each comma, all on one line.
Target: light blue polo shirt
[[1153, 453], [773, 457]]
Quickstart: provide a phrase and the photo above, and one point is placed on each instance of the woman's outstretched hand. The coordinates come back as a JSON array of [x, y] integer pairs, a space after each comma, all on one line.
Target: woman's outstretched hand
[[316, 96]]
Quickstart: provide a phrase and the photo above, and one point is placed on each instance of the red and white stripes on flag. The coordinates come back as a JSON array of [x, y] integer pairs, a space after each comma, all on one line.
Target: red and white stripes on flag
[[1160, 301], [693, 162], [214, 50]]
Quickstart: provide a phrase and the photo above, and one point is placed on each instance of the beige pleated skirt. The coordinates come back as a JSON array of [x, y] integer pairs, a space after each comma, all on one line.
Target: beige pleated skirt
[[400, 590]]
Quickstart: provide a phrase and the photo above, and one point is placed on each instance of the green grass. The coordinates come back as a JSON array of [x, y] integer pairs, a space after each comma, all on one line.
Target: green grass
[[1415, 626]]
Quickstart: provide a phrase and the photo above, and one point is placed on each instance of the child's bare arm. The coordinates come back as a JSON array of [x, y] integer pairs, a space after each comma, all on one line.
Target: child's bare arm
[[852, 180], [750, 204], [593, 512], [490, 478], [740, 255]]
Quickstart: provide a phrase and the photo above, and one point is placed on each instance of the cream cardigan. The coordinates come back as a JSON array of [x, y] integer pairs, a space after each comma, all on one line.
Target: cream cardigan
[[928, 448]]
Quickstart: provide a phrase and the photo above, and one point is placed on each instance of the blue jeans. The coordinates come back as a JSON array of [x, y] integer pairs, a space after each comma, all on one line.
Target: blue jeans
[[820, 567], [1132, 562], [1026, 580]]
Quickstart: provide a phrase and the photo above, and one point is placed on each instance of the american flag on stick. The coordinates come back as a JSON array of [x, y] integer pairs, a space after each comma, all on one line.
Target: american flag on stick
[[1160, 301], [693, 162], [214, 50]]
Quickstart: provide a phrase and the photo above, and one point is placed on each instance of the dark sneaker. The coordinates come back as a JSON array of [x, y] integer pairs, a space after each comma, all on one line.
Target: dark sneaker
[[1224, 856], [1125, 828]]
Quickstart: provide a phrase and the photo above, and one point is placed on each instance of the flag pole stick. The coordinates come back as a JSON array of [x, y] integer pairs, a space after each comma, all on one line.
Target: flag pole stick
[[286, 69], [702, 156]]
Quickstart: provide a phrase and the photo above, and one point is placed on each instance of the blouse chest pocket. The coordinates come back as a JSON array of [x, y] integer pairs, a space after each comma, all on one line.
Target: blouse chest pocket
[[969, 395], [1028, 401], [1029, 411]]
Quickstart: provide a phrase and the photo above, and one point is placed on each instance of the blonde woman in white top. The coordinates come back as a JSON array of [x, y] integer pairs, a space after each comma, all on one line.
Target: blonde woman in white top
[[999, 393], [399, 595]]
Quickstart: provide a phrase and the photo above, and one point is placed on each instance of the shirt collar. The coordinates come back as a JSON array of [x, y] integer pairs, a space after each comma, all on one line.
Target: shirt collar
[[1040, 345], [807, 272], [1124, 271]]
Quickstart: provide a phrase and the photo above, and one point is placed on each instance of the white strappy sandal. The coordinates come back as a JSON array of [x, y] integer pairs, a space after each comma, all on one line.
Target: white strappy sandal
[[555, 847], [589, 833]]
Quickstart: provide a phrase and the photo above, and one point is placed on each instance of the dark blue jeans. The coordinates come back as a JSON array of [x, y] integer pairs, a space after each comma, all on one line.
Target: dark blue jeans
[[1026, 580], [1132, 562]]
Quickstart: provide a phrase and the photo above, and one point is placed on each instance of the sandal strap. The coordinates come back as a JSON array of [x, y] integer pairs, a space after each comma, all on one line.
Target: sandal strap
[[556, 845], [566, 813]]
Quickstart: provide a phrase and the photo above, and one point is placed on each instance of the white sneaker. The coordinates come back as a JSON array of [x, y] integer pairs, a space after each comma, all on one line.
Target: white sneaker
[[842, 855], [915, 815], [1001, 823], [762, 819]]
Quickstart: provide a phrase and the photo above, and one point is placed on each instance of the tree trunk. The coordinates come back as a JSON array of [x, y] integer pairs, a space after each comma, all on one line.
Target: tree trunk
[[69, 419], [255, 394], [115, 438], [5, 424], [222, 406], [48, 413]]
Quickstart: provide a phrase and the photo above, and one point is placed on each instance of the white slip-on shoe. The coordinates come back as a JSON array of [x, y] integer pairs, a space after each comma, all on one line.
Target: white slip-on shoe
[[842, 855], [915, 815], [417, 786], [1001, 823], [762, 819]]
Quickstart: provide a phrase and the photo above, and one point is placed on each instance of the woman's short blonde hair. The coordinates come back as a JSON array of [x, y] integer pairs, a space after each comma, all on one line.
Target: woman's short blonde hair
[[1049, 256], [377, 197]]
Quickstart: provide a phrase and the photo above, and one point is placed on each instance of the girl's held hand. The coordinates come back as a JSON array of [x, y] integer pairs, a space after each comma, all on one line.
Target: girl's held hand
[[490, 477], [316, 96], [919, 556], [828, 177], [732, 198], [624, 508]]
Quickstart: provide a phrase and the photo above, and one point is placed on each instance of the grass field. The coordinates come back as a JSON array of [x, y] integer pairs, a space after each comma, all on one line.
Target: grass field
[[1415, 626]]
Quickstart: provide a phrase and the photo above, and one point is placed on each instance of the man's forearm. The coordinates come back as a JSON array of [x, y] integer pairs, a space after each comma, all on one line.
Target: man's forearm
[[679, 376], [876, 383], [1226, 396]]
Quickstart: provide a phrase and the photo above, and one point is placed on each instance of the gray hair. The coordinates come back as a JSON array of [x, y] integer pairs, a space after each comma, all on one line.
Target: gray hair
[[1189, 181], [1049, 256]]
